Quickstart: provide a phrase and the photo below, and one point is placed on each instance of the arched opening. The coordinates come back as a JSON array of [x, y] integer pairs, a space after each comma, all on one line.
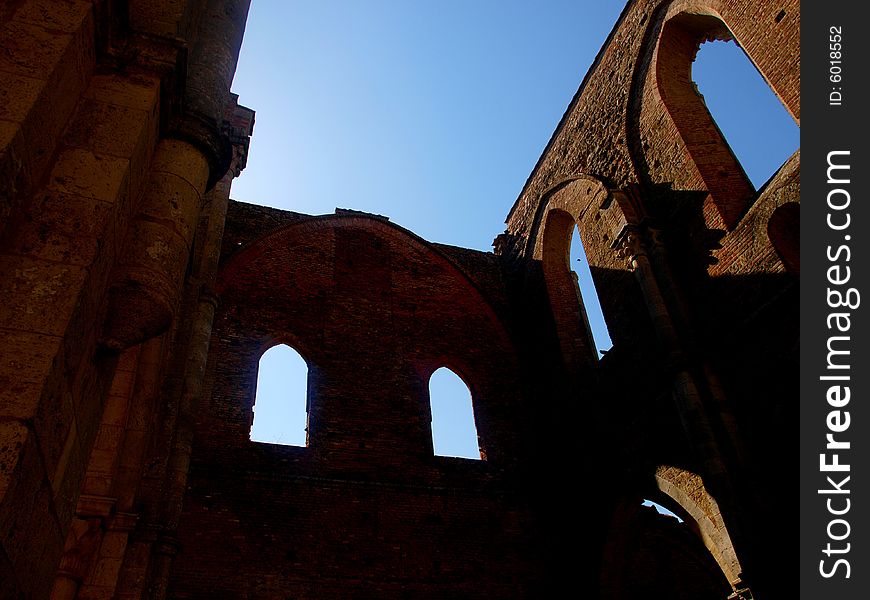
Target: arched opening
[[651, 554], [758, 128], [717, 169], [281, 405], [566, 301], [594, 314], [783, 229], [661, 509], [686, 494], [454, 432]]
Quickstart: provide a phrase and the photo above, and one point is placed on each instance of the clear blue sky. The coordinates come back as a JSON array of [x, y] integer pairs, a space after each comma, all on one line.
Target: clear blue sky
[[434, 114]]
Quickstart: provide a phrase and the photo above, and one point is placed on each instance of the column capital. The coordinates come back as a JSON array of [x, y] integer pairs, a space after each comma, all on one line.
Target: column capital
[[211, 138], [629, 244]]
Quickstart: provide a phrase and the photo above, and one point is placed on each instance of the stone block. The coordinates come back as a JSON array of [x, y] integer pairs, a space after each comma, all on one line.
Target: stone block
[[106, 129], [40, 295], [28, 529], [15, 171], [18, 94], [66, 16], [31, 50], [23, 372], [89, 175], [133, 91], [62, 228], [13, 436]]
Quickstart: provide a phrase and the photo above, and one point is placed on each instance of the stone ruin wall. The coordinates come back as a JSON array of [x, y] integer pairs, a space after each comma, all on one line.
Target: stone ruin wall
[[126, 378]]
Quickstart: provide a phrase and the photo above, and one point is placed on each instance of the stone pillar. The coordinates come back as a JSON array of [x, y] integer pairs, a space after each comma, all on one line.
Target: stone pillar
[[82, 543], [211, 68], [722, 408], [189, 358], [182, 447], [144, 295], [633, 244]]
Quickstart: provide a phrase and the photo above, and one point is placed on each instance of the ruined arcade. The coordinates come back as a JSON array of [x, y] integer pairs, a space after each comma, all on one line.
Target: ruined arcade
[[136, 300]]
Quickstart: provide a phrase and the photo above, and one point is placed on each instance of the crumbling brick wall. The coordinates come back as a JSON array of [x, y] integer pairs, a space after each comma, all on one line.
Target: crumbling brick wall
[[366, 509], [697, 284]]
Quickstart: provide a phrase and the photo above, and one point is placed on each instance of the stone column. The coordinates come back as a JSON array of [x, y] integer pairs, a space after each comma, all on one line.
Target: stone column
[[634, 243], [723, 411], [212, 65], [144, 295], [192, 351], [83, 541]]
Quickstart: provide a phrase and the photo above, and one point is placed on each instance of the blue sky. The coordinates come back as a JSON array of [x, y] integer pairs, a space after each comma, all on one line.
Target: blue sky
[[434, 114], [431, 113]]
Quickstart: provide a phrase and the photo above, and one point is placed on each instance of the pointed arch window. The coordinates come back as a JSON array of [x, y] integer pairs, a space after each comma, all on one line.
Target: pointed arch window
[[718, 169], [454, 432], [755, 124], [562, 258], [281, 405]]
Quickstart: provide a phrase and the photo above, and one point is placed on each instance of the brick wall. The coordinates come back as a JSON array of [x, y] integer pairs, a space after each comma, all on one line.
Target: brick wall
[[697, 275], [365, 510], [679, 244]]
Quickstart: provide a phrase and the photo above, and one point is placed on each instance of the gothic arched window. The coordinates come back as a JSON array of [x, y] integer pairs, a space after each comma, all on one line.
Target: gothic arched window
[[281, 406], [454, 432]]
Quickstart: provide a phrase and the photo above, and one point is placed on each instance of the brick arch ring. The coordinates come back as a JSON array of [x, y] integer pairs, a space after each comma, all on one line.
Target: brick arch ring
[[573, 195], [249, 252]]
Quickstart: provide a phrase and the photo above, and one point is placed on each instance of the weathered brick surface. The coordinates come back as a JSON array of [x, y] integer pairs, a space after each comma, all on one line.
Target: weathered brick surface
[[681, 253], [366, 509]]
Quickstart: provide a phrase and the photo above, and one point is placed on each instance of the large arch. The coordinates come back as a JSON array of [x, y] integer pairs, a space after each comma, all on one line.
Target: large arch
[[344, 219], [562, 209], [720, 172], [375, 310], [668, 109], [687, 490], [650, 555], [683, 493]]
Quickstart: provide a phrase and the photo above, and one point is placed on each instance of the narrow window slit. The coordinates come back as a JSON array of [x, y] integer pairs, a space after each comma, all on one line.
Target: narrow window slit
[[591, 302]]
